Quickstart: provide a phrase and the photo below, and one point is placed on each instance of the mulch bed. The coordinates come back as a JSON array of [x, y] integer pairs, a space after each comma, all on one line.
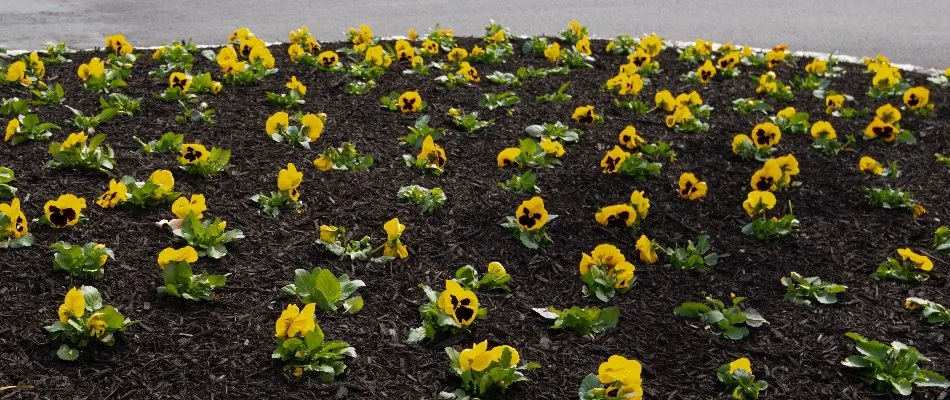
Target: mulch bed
[[223, 348]]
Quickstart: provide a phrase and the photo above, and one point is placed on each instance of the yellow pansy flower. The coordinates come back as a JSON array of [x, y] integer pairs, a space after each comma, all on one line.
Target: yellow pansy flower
[[531, 214], [294, 321], [767, 178], [278, 122], [457, 55], [410, 102], [195, 205], [179, 80], [498, 351], [394, 246], [192, 152], [552, 147], [294, 84], [917, 97], [116, 194], [870, 165], [18, 224], [74, 139], [833, 102], [165, 181], [706, 72], [169, 255], [506, 157], [64, 211], [620, 215], [288, 180], [553, 52], [585, 115], [476, 358], [74, 305], [922, 262], [690, 187], [611, 162], [459, 303], [823, 130], [758, 202], [469, 72], [743, 364], [629, 137], [646, 250], [766, 134]]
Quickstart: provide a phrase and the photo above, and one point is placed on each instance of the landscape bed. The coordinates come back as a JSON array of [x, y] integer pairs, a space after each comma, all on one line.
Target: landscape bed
[[222, 348]]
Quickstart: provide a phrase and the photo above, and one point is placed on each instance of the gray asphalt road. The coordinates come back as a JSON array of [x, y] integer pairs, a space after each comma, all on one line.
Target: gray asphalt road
[[909, 31]]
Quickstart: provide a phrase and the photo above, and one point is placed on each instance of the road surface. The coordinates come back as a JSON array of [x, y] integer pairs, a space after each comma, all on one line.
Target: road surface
[[909, 31]]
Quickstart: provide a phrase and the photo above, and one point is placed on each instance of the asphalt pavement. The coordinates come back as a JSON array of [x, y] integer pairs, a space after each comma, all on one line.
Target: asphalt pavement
[[909, 31]]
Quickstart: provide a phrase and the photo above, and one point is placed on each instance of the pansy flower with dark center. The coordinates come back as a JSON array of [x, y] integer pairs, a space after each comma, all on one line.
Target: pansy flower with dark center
[[430, 47], [767, 178], [457, 55], [459, 303], [467, 71], [64, 211], [116, 194], [191, 152], [833, 102], [404, 50], [617, 216], [179, 80], [410, 102], [629, 137], [17, 220], [328, 58], [531, 214], [605, 256], [690, 187], [766, 134], [432, 153], [640, 58], [880, 129], [611, 162], [583, 46], [585, 115], [506, 157], [729, 61], [917, 97], [706, 72], [823, 130]]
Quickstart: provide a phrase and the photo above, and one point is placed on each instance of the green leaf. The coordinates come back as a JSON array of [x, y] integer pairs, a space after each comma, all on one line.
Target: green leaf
[[353, 305], [736, 333], [691, 309], [67, 353], [327, 285]]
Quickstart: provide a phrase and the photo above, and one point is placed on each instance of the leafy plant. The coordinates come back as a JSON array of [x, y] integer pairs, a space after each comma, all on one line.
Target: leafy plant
[[492, 101], [942, 159], [92, 155], [203, 113], [496, 278], [84, 261], [330, 293], [442, 315], [82, 320], [748, 106], [586, 321], [693, 256], [889, 199], [49, 96], [7, 192], [739, 380], [556, 131], [732, 322], [336, 240], [170, 142], [524, 183], [358, 88], [801, 290], [217, 161], [343, 158], [935, 313], [148, 193], [911, 267], [431, 200], [941, 235], [90, 123], [504, 78], [891, 367], [638, 168], [208, 237], [28, 127], [468, 122], [310, 351], [496, 377], [419, 131], [14, 106], [559, 95], [181, 281], [122, 104]]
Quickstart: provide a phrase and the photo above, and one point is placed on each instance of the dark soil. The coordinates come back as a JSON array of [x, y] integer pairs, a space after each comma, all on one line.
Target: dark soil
[[222, 349]]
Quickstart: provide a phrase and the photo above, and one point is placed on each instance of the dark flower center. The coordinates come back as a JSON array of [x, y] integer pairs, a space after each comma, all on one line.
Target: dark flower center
[[408, 104], [179, 83], [687, 189], [913, 101], [764, 183], [61, 217], [19, 224], [618, 220], [192, 154], [528, 219]]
